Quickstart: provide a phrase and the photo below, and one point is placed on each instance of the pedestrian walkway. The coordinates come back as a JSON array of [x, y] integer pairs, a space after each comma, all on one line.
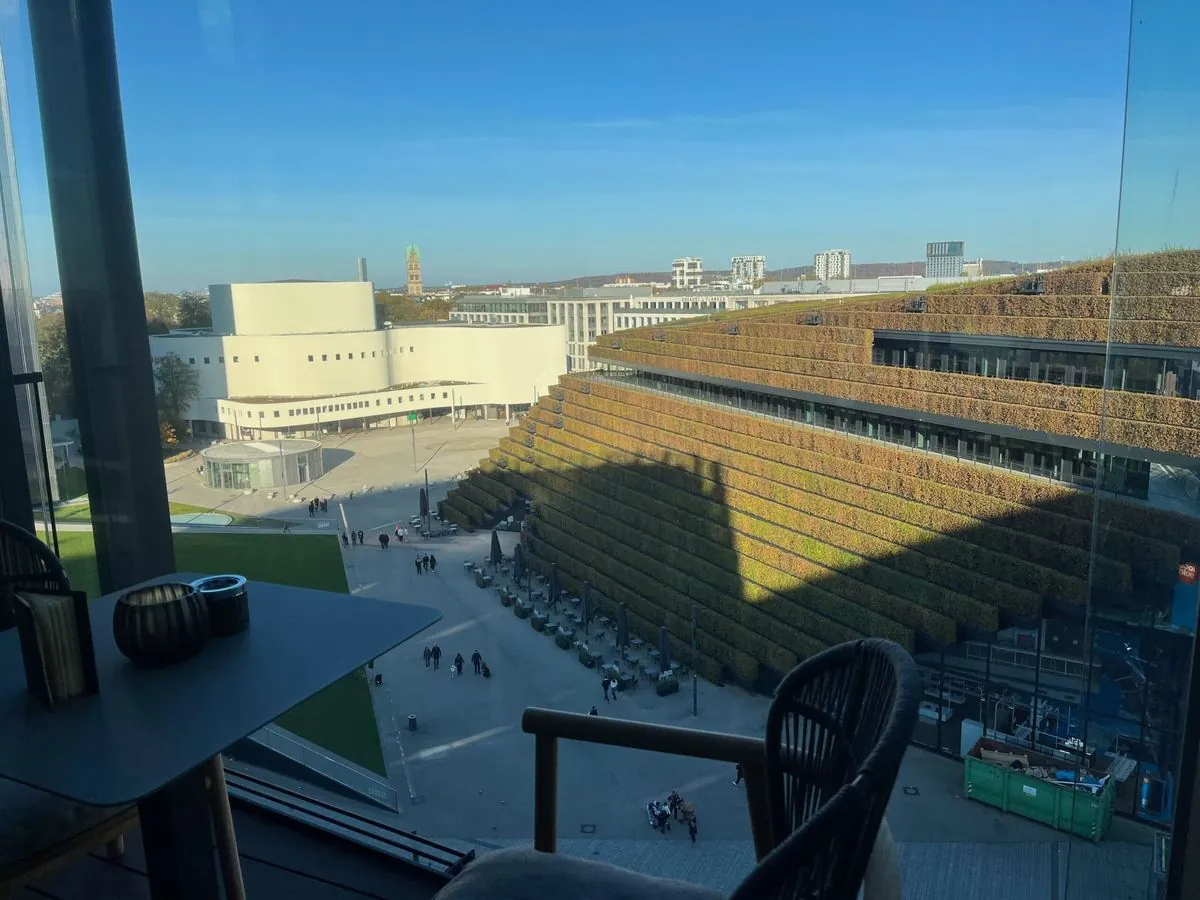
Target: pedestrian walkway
[[467, 771]]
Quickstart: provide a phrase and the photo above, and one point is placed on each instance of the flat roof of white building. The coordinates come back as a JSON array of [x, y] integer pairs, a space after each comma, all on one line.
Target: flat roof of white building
[[250, 451]]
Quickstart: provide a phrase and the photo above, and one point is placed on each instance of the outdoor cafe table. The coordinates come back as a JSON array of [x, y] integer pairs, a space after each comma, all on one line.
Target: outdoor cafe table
[[145, 737]]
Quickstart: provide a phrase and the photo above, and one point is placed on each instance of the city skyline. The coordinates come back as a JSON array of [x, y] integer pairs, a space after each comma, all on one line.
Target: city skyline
[[251, 163]]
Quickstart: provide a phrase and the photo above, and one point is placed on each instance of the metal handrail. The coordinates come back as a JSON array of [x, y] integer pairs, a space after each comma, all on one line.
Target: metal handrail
[[549, 726]]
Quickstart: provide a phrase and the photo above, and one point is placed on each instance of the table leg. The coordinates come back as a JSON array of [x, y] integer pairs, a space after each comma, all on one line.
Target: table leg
[[177, 836]]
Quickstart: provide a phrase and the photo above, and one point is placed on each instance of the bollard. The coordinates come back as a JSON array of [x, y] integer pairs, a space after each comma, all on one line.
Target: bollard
[[412, 723]]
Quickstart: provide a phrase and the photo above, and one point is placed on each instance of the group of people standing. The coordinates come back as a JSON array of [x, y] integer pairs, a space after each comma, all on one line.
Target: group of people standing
[[356, 538], [675, 808], [434, 655], [317, 506], [426, 562]]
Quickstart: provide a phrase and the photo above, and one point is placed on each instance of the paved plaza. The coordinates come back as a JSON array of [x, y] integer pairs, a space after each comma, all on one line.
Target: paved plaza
[[467, 772], [377, 466], [465, 776]]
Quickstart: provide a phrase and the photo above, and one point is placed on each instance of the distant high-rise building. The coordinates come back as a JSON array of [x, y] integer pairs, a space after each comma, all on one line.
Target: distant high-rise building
[[831, 265], [415, 288], [943, 259], [362, 269], [687, 272], [747, 269]]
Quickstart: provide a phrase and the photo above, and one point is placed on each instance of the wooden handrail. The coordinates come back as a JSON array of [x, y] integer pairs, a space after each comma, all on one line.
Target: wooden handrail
[[548, 726]]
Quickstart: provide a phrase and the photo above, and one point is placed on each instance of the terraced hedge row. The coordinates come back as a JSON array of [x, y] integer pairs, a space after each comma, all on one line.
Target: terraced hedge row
[[1023, 581], [802, 470], [1148, 435], [1081, 281], [472, 490], [1169, 273], [855, 353], [462, 511], [839, 544], [1060, 306], [916, 604], [1124, 331], [1132, 534], [1141, 408], [767, 572]]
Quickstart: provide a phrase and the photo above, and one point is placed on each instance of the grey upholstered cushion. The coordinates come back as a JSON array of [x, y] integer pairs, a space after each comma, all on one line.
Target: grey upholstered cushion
[[524, 874]]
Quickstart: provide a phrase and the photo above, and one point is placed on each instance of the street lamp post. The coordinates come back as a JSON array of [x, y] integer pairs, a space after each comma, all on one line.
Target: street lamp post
[[695, 689]]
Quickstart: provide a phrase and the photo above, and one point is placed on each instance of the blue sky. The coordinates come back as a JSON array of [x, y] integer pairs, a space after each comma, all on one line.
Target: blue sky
[[537, 140]]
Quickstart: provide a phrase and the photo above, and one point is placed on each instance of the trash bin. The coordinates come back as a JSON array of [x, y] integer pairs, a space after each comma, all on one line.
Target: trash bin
[[412, 723]]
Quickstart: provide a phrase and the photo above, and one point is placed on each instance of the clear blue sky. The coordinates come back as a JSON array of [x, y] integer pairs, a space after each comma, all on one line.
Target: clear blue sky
[[537, 140]]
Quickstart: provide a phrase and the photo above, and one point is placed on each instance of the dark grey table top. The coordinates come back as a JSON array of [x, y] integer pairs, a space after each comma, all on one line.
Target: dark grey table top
[[146, 727]]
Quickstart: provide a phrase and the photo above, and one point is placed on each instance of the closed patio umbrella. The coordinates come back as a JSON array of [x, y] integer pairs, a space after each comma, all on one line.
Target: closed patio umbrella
[[497, 555]]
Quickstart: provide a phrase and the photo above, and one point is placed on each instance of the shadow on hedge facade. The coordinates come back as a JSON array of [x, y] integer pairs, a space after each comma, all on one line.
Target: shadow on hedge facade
[[984, 575]]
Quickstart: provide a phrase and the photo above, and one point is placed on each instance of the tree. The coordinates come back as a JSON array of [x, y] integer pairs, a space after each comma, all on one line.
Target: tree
[[176, 385], [402, 308], [162, 311], [194, 311], [56, 364]]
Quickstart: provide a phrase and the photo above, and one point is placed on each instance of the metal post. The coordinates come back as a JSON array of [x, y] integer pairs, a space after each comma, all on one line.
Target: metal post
[[428, 505], [91, 206], [695, 689], [545, 792], [412, 427]]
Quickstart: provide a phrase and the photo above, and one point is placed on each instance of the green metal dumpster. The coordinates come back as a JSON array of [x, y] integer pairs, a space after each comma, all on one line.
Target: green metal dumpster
[[1065, 807]]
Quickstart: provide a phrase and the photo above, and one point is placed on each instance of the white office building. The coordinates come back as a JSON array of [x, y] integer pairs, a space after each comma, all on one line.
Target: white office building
[[943, 259], [831, 265], [747, 270], [303, 358], [588, 317], [687, 272]]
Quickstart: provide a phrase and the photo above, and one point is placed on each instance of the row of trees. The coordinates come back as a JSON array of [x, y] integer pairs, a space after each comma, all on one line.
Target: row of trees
[[402, 308], [183, 310], [176, 384]]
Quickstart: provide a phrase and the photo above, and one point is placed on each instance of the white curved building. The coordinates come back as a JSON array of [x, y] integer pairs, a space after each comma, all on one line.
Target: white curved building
[[289, 357]]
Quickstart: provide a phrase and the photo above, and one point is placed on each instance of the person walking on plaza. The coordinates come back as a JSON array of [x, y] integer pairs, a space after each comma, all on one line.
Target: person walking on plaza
[[360, 536], [692, 829], [310, 508], [417, 561], [354, 538], [383, 540], [324, 506], [345, 540], [432, 563], [458, 662], [398, 537], [604, 685], [428, 654], [437, 655], [476, 661], [425, 562]]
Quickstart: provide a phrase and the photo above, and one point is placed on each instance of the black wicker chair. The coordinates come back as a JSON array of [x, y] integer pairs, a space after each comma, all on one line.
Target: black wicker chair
[[25, 562], [836, 733], [37, 829]]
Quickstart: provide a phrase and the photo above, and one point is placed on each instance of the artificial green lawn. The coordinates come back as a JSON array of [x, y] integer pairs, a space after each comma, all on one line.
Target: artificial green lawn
[[82, 512], [340, 718]]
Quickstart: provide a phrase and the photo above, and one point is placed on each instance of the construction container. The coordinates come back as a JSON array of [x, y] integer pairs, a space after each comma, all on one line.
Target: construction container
[[1007, 781]]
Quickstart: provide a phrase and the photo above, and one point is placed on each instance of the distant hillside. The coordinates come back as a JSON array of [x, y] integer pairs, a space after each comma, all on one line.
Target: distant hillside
[[791, 273]]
